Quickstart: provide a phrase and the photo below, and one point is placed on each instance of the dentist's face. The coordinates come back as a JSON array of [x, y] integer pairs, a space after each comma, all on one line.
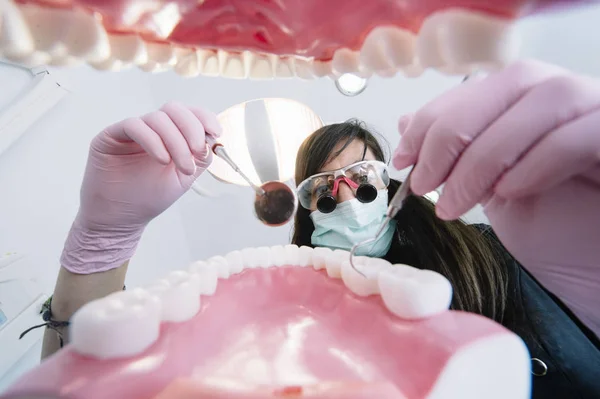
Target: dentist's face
[[351, 154]]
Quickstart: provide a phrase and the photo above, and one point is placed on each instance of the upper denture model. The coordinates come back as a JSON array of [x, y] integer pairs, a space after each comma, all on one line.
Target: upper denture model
[[268, 38]]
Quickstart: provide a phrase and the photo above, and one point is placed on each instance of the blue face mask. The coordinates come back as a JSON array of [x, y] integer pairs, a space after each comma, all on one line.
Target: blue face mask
[[352, 222]]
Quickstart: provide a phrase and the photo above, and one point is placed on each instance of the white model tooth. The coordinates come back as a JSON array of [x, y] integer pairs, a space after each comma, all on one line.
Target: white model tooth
[[161, 53], [456, 37], [65, 61], [334, 262], [345, 61], [373, 52], [209, 62], [179, 294], [109, 65], [61, 32], [370, 267], [322, 68], [232, 65], [261, 66], [34, 59], [278, 255], [208, 276], [16, 41], [305, 256], [119, 325], [320, 256], [263, 255], [86, 38], [161, 57], [292, 253], [221, 265], [413, 71], [401, 47], [364, 72], [181, 52], [456, 69], [388, 48], [188, 64], [235, 260], [129, 49], [389, 73], [304, 69], [411, 293], [250, 256], [285, 68], [154, 67], [429, 52]]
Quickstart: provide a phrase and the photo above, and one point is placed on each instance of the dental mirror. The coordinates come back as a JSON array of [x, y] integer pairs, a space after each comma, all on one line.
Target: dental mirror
[[274, 204]]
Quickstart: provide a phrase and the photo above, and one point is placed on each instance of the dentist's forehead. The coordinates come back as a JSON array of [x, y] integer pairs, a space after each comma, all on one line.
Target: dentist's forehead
[[351, 154]]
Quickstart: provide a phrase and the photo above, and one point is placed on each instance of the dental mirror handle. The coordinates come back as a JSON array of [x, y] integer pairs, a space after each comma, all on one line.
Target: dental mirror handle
[[219, 151], [404, 190]]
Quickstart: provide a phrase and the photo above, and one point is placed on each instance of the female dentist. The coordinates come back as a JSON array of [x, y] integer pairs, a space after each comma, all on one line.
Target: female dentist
[[523, 142]]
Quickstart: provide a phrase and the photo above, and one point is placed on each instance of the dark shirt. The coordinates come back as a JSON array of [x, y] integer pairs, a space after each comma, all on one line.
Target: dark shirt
[[565, 353]]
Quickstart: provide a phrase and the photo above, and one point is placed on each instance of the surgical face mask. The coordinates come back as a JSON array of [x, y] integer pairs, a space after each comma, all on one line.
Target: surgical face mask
[[353, 222]]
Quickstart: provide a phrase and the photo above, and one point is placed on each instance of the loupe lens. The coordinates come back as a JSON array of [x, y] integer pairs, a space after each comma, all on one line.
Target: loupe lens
[[366, 193], [326, 203]]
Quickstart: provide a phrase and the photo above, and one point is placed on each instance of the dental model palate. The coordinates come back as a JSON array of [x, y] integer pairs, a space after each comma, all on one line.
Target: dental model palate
[[280, 321], [275, 202], [185, 389]]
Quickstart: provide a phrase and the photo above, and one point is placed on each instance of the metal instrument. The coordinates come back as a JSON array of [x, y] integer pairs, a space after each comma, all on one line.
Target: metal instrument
[[274, 204], [394, 207]]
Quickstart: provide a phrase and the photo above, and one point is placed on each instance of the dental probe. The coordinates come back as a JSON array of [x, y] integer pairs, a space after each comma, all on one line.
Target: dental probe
[[398, 199], [393, 209]]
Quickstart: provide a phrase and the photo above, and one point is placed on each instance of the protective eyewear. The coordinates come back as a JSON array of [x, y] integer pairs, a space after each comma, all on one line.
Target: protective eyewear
[[365, 178]]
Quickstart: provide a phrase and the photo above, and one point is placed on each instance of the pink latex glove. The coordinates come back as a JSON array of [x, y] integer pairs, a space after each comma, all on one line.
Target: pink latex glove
[[136, 169], [524, 143]]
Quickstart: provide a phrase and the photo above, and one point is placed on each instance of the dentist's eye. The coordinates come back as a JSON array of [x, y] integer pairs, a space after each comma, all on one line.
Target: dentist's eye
[[361, 177], [318, 191]]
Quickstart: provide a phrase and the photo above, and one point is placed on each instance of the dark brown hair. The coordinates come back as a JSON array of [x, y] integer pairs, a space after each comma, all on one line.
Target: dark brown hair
[[457, 250]]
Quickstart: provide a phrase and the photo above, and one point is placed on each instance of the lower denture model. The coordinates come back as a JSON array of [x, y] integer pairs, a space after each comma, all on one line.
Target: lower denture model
[[283, 321], [267, 39]]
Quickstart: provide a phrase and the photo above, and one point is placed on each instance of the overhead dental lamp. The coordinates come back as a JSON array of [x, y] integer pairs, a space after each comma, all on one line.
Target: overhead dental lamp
[[263, 137], [350, 85], [258, 148]]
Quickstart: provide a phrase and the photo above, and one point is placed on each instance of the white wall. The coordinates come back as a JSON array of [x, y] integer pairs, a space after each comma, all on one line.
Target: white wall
[[40, 175], [50, 159]]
